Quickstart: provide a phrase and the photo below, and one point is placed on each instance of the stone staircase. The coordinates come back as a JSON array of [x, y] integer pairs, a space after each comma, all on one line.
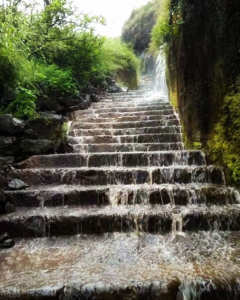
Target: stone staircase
[[129, 214]]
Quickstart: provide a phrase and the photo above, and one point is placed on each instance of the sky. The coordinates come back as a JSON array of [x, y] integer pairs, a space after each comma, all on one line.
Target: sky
[[116, 13]]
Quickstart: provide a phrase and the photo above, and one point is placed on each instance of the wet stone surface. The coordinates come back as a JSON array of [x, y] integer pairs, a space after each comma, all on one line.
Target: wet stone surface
[[128, 214], [172, 264]]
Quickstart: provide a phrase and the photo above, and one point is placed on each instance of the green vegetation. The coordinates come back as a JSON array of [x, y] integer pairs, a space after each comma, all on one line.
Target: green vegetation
[[53, 52], [137, 29], [167, 25], [224, 146], [118, 60]]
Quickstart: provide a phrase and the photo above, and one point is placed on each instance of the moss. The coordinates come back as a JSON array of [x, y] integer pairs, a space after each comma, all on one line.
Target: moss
[[224, 143], [64, 132]]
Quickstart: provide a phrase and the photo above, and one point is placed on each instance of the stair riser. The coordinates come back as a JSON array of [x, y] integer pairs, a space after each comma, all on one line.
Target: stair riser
[[48, 226], [139, 139], [124, 196], [96, 109], [128, 119], [166, 112], [133, 105], [116, 132], [146, 97], [117, 160], [126, 125], [126, 148], [114, 177]]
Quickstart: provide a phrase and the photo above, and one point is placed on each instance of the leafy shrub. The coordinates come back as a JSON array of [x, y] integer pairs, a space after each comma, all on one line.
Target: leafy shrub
[[167, 25], [117, 59], [24, 106], [225, 144], [57, 81], [53, 52]]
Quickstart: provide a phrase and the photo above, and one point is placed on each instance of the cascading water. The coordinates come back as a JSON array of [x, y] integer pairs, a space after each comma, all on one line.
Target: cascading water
[[161, 88], [128, 215]]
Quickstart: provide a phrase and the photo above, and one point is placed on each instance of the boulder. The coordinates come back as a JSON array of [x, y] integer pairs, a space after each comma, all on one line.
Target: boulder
[[30, 134], [109, 80], [72, 108], [6, 160], [9, 208], [95, 98], [17, 184], [47, 127], [34, 147], [71, 101], [3, 200], [11, 125], [115, 88], [8, 146], [84, 105], [52, 104], [90, 89], [6, 242]]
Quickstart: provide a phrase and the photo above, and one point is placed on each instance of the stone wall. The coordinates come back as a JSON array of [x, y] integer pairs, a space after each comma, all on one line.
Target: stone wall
[[204, 61]]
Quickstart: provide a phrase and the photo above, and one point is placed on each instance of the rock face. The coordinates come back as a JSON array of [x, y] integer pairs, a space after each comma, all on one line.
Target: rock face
[[11, 125], [36, 146], [204, 61], [8, 145], [63, 105], [115, 88], [47, 126], [3, 200], [18, 139], [43, 135], [6, 242], [5, 207]]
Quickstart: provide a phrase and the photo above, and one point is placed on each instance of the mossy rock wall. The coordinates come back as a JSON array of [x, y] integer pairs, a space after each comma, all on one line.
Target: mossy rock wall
[[204, 61]]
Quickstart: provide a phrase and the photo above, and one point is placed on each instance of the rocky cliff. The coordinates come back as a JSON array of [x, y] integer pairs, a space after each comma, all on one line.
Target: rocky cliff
[[204, 61]]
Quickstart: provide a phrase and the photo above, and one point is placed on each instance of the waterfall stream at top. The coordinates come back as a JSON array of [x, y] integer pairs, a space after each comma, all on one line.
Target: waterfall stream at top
[[161, 89]]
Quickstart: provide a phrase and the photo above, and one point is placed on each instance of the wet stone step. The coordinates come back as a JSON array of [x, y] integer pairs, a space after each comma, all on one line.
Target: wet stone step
[[96, 109], [57, 221], [134, 104], [145, 96], [193, 194], [127, 119], [123, 266], [126, 131], [129, 139], [149, 159], [95, 148], [121, 176], [125, 125], [125, 97], [165, 112]]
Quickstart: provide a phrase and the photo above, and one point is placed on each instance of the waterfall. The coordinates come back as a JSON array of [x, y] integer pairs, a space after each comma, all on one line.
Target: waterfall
[[161, 89]]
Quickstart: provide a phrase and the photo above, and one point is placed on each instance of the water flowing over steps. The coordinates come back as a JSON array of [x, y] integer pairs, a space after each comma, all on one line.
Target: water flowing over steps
[[129, 214]]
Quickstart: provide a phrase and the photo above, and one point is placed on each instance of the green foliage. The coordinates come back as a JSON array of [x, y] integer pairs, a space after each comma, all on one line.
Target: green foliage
[[120, 61], [24, 106], [225, 144], [56, 81], [137, 29], [52, 52], [167, 25]]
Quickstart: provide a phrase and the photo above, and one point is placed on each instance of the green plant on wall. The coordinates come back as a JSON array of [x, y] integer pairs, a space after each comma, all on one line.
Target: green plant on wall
[[168, 23], [225, 144]]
